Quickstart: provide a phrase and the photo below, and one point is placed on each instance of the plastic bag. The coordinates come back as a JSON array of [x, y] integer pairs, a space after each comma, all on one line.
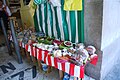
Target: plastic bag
[[27, 13], [55, 2], [73, 5]]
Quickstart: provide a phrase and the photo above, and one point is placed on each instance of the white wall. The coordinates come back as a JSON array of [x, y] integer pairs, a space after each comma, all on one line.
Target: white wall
[[111, 22], [110, 35]]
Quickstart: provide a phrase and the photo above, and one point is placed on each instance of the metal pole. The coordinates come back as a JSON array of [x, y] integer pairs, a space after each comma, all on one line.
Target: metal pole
[[6, 37], [17, 48]]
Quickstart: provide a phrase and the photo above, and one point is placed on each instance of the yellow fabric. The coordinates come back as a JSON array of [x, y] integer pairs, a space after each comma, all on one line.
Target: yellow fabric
[[27, 13], [73, 5]]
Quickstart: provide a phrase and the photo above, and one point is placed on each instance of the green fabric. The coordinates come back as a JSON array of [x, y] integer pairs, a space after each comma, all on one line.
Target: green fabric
[[64, 22], [57, 24], [45, 16], [73, 26], [36, 22], [40, 17], [81, 25], [65, 32], [51, 19], [37, 2]]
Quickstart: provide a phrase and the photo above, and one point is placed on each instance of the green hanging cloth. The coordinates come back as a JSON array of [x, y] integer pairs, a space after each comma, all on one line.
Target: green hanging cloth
[[51, 19], [64, 22], [46, 17], [73, 26], [57, 24], [36, 22], [40, 17], [37, 2], [81, 24]]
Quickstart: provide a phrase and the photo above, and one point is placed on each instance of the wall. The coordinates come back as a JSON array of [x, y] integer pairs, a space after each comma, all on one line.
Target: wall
[[111, 23], [93, 11], [110, 35], [93, 22]]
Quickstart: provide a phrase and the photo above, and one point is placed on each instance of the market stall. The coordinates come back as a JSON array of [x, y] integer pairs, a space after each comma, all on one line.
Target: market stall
[[58, 38], [63, 55], [65, 63]]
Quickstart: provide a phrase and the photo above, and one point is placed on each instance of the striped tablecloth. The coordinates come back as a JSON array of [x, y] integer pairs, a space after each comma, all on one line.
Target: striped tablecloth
[[72, 69]]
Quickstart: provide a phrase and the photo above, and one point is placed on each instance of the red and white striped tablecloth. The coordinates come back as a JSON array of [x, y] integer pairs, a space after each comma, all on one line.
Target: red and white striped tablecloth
[[72, 69]]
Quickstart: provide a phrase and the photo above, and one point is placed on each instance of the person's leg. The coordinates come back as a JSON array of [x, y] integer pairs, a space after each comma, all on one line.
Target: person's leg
[[0, 22], [5, 20], [0, 28], [6, 24]]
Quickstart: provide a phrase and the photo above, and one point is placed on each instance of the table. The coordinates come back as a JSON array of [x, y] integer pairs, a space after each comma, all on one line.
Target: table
[[70, 68]]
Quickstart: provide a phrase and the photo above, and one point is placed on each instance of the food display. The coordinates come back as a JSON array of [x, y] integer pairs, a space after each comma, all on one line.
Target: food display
[[57, 53], [64, 51]]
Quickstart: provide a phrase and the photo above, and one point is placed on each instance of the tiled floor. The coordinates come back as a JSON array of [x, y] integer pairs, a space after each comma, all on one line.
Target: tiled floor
[[23, 71]]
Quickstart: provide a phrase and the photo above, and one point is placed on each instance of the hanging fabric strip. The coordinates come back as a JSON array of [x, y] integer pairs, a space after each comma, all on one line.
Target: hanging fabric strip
[[45, 16], [51, 19], [81, 24], [54, 22], [36, 22], [40, 17], [64, 22], [73, 25], [57, 24], [68, 22], [48, 22], [76, 15], [59, 15]]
